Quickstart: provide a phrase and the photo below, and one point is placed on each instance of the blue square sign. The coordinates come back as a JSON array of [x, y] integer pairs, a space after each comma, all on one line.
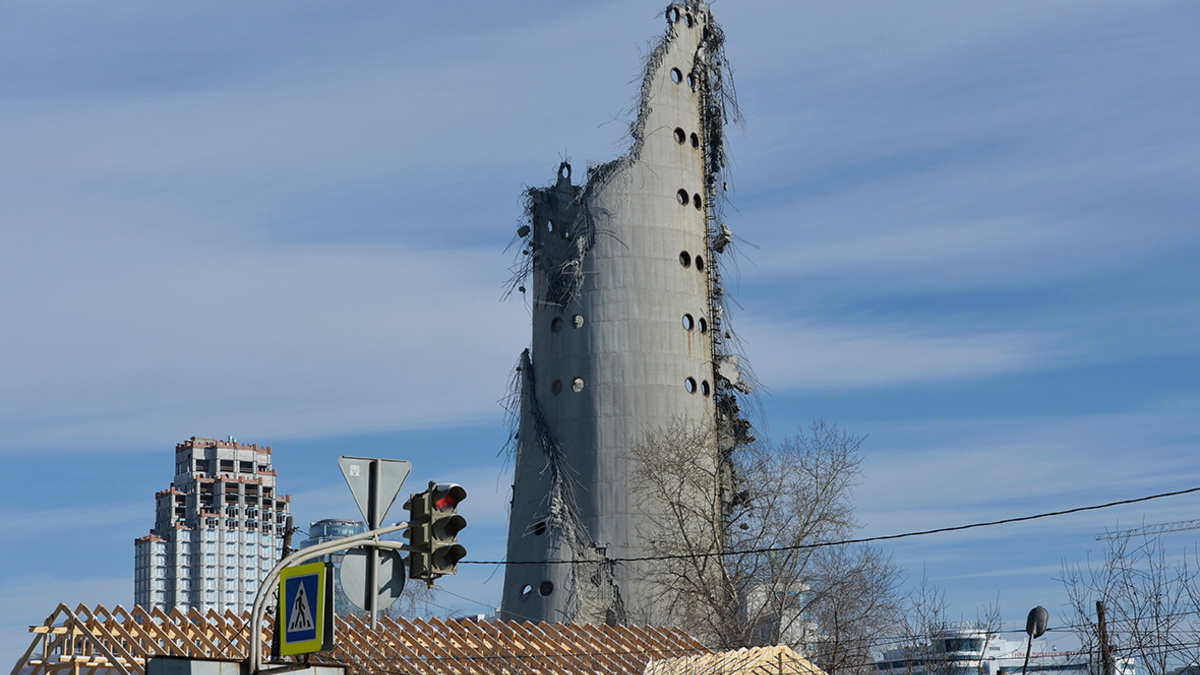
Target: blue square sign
[[302, 597]]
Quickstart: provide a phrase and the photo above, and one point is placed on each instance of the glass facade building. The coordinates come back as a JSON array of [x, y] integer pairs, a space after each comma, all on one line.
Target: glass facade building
[[328, 530]]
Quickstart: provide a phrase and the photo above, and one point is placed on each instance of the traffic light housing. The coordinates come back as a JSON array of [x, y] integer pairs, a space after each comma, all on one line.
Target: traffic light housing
[[433, 527]]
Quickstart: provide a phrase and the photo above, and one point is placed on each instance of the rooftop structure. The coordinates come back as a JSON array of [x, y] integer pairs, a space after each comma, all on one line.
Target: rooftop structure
[[629, 338], [99, 641], [218, 529]]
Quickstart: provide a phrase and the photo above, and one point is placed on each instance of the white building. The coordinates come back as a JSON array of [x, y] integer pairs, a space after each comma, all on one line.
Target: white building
[[218, 529]]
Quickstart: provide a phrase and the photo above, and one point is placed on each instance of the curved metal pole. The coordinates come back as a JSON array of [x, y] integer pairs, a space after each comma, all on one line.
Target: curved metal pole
[[369, 538]]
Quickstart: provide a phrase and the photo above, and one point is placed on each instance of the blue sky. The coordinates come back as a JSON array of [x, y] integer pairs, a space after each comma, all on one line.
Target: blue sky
[[968, 232]]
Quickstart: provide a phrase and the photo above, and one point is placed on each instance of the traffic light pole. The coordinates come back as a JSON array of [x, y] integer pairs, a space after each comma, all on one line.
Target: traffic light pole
[[371, 540]]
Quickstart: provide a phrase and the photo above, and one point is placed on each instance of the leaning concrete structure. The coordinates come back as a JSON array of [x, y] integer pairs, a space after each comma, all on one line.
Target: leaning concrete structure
[[629, 337]]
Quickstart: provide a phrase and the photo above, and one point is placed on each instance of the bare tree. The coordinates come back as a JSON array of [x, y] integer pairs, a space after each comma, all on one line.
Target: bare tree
[[744, 542], [1151, 602], [931, 642], [852, 613]]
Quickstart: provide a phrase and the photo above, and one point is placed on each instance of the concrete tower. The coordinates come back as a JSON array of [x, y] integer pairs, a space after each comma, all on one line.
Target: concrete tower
[[627, 339]]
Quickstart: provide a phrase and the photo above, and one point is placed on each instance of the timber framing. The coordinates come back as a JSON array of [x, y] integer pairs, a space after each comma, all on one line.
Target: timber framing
[[100, 641]]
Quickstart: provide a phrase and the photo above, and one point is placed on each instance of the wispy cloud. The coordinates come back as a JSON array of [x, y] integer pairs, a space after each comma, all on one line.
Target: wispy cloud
[[816, 355], [323, 339]]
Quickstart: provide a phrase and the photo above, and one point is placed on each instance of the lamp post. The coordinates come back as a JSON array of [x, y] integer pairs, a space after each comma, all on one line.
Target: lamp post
[[1035, 626]]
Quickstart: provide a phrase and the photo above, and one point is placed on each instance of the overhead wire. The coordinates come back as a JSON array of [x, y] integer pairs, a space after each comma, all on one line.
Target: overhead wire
[[844, 542]]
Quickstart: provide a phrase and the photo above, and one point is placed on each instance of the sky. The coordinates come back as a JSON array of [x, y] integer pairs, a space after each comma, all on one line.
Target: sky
[[967, 232]]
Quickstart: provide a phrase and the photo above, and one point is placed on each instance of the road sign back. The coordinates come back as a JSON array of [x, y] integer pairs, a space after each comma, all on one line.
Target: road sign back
[[389, 579], [390, 476]]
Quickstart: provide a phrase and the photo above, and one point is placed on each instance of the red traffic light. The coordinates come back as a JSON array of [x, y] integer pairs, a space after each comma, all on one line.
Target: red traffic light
[[448, 495]]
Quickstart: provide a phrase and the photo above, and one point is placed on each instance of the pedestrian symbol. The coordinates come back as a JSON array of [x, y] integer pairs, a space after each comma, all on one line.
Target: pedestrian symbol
[[304, 620], [301, 620]]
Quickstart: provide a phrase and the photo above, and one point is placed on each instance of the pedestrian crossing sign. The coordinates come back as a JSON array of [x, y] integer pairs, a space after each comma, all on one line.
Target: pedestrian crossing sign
[[304, 622]]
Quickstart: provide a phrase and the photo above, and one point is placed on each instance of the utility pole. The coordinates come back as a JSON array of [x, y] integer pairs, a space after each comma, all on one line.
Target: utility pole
[[1105, 652], [288, 530]]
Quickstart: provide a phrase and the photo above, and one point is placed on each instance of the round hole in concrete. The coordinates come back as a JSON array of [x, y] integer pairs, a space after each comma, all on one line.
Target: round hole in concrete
[[673, 14], [546, 588], [577, 385], [680, 136], [526, 591], [688, 322], [556, 324], [688, 20], [699, 263], [556, 387], [703, 325], [539, 528], [696, 201], [577, 321], [695, 141], [676, 75], [683, 197], [704, 388], [691, 80], [685, 258], [690, 385]]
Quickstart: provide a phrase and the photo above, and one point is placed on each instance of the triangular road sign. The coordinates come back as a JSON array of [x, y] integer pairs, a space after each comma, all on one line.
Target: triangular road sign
[[392, 474], [302, 616]]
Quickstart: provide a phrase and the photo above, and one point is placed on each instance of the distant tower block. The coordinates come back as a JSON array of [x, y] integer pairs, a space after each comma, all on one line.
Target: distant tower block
[[627, 339], [218, 530]]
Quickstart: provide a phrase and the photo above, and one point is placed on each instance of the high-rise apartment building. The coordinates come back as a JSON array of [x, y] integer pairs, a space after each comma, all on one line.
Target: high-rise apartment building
[[218, 529]]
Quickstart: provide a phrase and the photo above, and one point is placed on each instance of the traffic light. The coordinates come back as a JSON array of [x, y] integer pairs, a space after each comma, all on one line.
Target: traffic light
[[433, 527]]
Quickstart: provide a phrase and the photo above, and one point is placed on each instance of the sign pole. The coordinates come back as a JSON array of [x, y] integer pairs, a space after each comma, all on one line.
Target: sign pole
[[373, 518]]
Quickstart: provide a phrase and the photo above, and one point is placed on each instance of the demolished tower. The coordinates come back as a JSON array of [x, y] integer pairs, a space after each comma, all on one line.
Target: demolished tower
[[628, 340]]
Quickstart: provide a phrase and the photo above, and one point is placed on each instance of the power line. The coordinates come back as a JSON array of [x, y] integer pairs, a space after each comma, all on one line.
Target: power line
[[859, 540]]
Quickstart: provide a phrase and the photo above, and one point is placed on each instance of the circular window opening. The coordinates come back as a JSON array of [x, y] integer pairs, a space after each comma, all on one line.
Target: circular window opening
[[683, 197], [685, 259], [539, 528], [688, 322], [564, 171], [577, 385], [704, 388], [695, 141], [577, 321], [680, 136], [556, 324], [546, 588], [549, 226], [691, 81], [673, 14], [703, 325], [700, 263], [526, 591], [676, 75], [696, 201], [688, 20], [690, 385], [556, 387]]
